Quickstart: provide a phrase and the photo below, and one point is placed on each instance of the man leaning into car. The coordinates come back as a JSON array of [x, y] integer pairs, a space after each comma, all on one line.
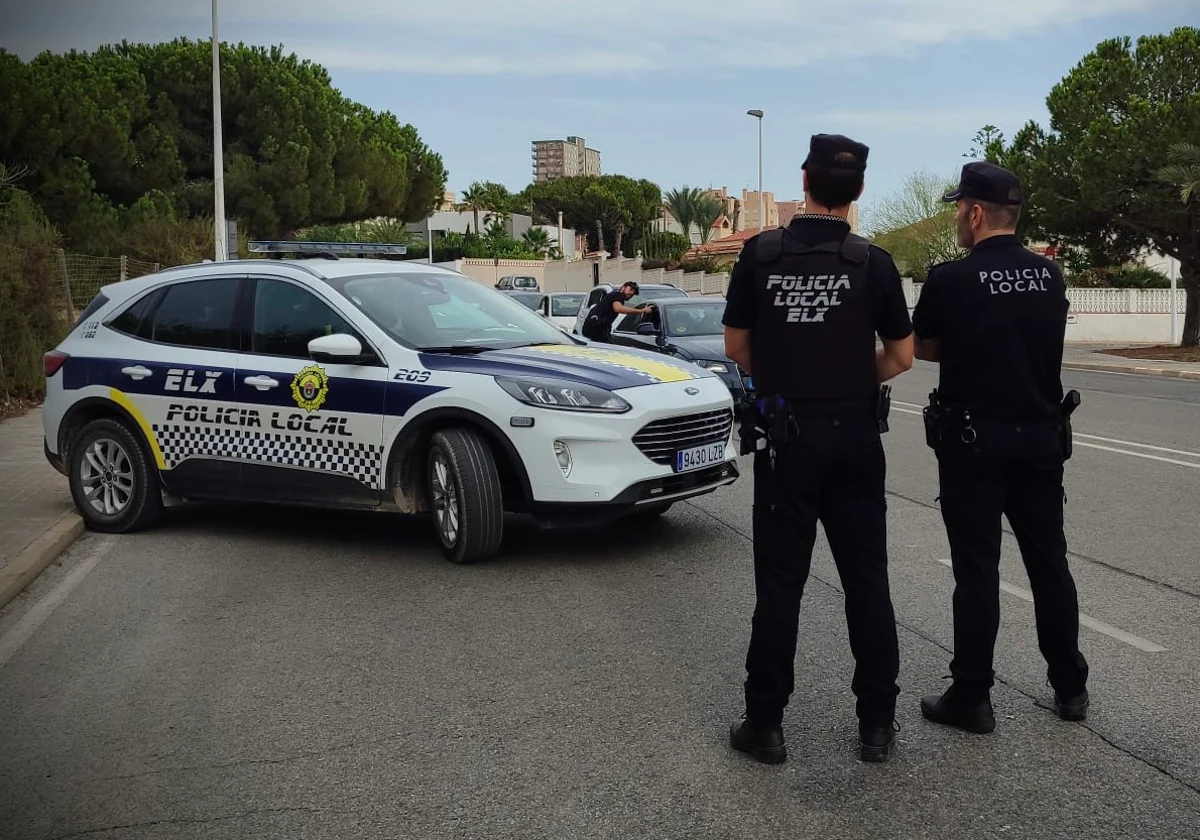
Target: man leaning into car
[[598, 324]]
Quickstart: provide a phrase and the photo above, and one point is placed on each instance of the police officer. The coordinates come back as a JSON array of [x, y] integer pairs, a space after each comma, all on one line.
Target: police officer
[[803, 309], [598, 324], [999, 425]]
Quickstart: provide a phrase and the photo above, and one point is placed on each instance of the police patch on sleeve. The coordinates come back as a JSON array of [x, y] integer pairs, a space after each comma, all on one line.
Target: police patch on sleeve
[[310, 386]]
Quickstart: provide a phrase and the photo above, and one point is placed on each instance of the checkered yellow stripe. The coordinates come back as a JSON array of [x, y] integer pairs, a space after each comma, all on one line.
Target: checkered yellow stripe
[[656, 370]]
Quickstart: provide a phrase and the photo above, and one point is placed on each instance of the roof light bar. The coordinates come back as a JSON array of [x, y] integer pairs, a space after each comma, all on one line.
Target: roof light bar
[[358, 249]]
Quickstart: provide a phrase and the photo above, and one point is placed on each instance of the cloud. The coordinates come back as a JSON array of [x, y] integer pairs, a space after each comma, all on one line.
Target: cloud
[[453, 62], [949, 119], [530, 38]]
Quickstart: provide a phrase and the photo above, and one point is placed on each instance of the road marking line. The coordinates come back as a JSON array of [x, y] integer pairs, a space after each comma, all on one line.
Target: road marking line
[[1086, 620], [24, 629], [1140, 445], [1139, 455], [1148, 457]]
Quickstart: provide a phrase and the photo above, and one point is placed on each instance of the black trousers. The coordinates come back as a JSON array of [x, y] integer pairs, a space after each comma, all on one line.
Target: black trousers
[[834, 472], [1015, 470], [597, 330]]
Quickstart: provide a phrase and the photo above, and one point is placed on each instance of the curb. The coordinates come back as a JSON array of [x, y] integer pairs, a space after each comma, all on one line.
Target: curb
[[23, 569], [1144, 371]]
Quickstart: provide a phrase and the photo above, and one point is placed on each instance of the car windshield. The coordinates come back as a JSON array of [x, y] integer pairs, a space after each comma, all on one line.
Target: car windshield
[[696, 319], [565, 305], [429, 311], [529, 300]]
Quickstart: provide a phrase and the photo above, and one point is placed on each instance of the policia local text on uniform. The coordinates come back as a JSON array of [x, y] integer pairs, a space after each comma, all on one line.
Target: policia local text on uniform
[[803, 309], [1000, 426]]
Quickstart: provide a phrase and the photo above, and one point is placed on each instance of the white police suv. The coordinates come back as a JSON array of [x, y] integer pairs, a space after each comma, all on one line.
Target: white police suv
[[367, 383]]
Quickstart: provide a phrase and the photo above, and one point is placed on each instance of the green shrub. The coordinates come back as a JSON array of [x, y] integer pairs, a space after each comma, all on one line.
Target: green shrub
[[664, 245], [1120, 277], [33, 316]]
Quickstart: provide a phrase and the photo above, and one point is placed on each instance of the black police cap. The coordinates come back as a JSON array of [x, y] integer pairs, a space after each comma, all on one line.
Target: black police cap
[[836, 151], [987, 182]]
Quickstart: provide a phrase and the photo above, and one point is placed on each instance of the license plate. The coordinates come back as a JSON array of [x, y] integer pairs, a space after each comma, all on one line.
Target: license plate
[[699, 457]]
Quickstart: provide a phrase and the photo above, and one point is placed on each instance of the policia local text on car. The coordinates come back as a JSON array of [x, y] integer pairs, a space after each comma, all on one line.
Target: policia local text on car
[[804, 306], [1000, 425]]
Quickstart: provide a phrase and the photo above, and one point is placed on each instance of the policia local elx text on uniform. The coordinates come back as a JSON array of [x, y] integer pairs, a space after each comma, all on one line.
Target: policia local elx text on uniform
[[803, 309]]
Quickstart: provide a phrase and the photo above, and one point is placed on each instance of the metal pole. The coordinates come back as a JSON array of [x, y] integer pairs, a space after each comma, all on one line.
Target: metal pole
[[1174, 305], [758, 115], [222, 252], [762, 219], [429, 235]]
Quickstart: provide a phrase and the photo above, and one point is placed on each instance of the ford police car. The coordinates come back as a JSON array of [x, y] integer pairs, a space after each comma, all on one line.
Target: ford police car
[[367, 383]]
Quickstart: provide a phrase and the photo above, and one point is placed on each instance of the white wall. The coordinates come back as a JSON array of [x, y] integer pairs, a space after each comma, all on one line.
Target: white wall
[[1121, 327], [1132, 316]]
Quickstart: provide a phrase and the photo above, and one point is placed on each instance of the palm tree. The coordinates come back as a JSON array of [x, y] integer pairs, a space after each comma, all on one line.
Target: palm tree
[[1183, 171], [681, 204], [707, 210], [539, 241], [472, 199], [495, 230], [386, 231]]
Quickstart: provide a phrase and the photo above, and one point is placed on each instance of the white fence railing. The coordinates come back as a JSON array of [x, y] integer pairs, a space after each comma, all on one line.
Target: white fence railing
[[1113, 301]]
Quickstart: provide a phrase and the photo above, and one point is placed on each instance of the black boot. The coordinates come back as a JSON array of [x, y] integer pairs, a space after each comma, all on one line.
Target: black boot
[[765, 743], [1074, 707], [875, 742], [971, 715]]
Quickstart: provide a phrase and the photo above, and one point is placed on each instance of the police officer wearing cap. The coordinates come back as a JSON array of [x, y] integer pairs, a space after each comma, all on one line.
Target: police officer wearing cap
[[1000, 427], [804, 306]]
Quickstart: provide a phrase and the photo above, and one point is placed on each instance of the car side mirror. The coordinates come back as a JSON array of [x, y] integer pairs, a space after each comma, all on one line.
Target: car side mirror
[[338, 348], [647, 328]]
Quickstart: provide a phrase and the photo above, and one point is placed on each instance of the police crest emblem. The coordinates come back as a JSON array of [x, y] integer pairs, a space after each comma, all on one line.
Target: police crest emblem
[[310, 386]]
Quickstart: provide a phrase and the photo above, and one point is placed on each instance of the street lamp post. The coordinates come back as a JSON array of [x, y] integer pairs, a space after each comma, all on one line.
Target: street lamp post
[[757, 114], [1174, 304], [222, 252]]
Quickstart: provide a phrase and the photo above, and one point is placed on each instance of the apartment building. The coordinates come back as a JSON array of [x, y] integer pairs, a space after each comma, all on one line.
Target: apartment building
[[750, 220], [563, 158]]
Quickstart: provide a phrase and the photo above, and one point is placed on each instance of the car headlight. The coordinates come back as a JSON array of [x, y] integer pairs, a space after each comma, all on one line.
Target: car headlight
[[560, 394], [715, 367]]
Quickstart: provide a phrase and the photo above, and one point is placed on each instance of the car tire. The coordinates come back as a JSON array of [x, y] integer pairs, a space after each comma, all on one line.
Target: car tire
[[464, 495], [114, 484], [652, 510]]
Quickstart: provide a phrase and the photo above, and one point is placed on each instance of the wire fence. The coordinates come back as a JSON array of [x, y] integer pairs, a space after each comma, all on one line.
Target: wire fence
[[83, 276]]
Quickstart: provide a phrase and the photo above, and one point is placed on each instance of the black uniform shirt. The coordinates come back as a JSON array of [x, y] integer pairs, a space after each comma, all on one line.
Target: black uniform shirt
[[605, 311], [1001, 315], [886, 302]]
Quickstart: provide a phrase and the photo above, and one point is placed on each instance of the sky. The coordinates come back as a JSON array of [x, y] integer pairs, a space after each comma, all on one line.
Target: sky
[[659, 87]]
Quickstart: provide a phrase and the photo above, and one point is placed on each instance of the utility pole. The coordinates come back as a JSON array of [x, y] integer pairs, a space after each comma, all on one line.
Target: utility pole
[[1174, 303], [757, 114], [222, 251]]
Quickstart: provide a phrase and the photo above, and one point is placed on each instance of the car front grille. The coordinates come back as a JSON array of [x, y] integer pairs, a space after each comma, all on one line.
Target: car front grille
[[659, 440]]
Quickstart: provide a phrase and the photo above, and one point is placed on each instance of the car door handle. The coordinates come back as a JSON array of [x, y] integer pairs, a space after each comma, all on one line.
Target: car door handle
[[137, 371], [262, 383]]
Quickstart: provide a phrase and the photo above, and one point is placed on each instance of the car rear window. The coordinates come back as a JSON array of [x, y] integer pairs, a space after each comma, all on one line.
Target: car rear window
[[97, 302]]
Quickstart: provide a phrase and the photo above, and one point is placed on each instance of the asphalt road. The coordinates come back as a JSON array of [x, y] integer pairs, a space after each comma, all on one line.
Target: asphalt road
[[263, 673]]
